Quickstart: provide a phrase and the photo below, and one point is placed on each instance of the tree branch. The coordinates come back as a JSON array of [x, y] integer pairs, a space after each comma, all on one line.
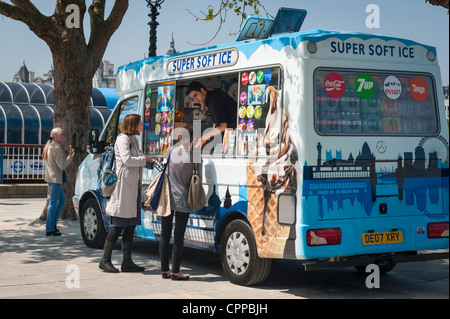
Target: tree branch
[[24, 11], [26, 5], [102, 30], [27, 13]]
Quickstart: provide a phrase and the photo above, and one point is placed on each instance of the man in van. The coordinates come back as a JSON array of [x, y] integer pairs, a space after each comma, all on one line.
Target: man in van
[[221, 106]]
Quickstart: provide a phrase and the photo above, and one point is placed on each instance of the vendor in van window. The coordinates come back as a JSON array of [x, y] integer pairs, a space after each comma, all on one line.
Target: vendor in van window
[[221, 106]]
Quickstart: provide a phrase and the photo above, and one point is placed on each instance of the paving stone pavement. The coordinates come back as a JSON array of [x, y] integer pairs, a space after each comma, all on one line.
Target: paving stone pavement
[[35, 266]]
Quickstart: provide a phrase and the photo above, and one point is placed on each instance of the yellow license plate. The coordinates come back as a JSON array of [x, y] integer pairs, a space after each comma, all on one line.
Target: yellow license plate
[[391, 237]]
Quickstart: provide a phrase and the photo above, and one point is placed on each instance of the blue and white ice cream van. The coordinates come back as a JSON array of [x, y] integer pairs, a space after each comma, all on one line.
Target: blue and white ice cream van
[[340, 155]]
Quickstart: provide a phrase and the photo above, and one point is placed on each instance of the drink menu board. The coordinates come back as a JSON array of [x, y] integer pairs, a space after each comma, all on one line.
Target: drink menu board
[[254, 107], [159, 117]]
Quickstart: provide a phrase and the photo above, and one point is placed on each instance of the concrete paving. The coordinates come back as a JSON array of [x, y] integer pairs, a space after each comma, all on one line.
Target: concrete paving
[[35, 266]]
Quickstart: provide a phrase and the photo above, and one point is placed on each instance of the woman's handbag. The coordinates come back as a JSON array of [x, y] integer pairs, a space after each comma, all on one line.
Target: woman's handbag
[[158, 193], [109, 181], [197, 196]]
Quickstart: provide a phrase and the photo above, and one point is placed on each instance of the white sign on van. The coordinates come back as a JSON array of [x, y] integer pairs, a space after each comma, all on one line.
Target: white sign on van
[[355, 48], [210, 60]]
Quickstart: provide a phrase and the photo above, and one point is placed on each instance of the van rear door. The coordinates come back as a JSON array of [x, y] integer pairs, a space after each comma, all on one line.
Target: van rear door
[[379, 151]]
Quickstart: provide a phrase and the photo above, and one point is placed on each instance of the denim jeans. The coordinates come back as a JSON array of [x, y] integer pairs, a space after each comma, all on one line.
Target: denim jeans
[[55, 205]]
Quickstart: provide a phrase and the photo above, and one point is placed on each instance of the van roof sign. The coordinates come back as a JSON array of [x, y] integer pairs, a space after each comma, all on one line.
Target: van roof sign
[[287, 20]]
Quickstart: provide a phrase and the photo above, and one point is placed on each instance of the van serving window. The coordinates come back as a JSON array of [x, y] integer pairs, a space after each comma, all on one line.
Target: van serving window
[[256, 90], [355, 102]]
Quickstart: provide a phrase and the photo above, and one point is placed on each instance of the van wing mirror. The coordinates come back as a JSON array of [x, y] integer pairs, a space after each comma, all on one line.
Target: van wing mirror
[[93, 141]]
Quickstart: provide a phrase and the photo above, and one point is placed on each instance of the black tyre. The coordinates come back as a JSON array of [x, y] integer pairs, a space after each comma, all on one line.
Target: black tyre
[[91, 224], [239, 255]]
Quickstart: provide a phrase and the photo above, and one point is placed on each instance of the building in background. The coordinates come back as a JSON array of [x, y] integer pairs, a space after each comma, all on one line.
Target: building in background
[[105, 77]]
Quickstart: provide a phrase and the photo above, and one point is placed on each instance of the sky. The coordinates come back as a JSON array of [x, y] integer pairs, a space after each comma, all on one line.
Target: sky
[[411, 19]]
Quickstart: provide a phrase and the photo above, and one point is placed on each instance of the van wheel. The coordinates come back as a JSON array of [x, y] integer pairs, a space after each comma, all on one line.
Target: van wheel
[[384, 268], [239, 256], [91, 224]]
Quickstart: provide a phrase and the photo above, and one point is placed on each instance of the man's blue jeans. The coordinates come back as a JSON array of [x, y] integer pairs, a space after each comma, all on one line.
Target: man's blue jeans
[[55, 205]]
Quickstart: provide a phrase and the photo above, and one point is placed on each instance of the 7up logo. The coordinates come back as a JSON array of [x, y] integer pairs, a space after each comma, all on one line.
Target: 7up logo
[[365, 86]]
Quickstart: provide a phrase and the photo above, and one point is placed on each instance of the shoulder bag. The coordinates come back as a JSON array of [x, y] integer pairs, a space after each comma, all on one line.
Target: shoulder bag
[[197, 196]]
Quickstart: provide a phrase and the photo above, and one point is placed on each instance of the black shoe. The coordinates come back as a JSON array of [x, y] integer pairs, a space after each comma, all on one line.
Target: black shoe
[[175, 277], [166, 275], [52, 233], [107, 266], [130, 266]]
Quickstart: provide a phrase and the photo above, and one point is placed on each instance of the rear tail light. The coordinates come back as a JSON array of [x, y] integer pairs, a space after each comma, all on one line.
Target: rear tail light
[[438, 230], [324, 236]]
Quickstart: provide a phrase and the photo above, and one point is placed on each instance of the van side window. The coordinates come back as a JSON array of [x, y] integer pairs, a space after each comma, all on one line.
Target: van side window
[[128, 106], [356, 102]]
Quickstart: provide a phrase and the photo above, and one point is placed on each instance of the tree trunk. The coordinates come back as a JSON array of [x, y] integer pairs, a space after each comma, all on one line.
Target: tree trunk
[[72, 95], [43, 216]]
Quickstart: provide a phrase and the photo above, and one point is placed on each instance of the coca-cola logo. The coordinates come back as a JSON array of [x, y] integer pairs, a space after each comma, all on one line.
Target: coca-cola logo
[[334, 85], [244, 79]]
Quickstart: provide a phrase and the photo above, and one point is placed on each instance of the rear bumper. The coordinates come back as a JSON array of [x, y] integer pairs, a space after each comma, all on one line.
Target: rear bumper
[[378, 259]]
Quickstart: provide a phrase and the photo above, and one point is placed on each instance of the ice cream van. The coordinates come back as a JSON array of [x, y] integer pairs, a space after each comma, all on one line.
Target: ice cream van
[[339, 158]]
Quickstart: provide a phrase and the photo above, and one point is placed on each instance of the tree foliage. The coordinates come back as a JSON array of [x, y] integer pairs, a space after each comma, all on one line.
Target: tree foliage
[[241, 8]]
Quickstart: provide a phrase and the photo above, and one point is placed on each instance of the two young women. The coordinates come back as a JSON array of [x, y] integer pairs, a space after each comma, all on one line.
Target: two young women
[[124, 204]]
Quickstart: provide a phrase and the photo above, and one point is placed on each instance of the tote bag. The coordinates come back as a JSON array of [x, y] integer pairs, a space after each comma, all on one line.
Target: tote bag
[[158, 193], [163, 208], [197, 196]]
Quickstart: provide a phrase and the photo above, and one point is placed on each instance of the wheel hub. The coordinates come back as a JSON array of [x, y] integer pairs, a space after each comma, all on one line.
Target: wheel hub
[[238, 253], [90, 223]]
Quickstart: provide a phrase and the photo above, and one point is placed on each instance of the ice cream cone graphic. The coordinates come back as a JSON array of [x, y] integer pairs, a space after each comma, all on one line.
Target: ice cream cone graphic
[[262, 213], [271, 174]]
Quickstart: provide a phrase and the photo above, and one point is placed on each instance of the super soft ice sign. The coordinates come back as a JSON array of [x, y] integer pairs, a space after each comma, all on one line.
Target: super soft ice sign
[[210, 60], [386, 50]]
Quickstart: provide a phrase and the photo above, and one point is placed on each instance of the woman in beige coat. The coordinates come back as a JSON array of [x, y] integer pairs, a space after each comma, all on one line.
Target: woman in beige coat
[[55, 164], [124, 204]]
